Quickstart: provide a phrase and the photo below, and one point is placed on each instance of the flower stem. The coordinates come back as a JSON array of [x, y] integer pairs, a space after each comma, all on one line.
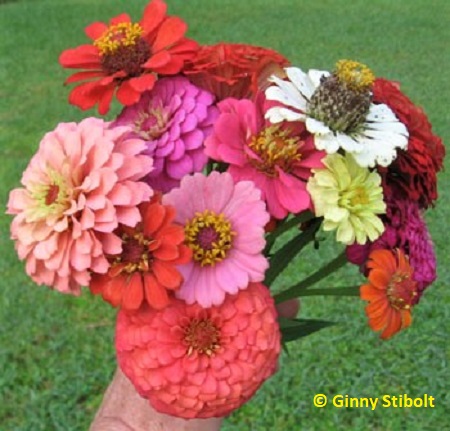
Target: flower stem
[[296, 290], [281, 259]]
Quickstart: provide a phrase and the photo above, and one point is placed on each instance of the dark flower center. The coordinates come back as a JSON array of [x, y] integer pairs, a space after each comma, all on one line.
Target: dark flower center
[[401, 291]]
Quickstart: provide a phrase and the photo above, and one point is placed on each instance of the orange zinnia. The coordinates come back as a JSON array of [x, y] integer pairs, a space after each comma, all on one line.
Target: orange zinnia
[[146, 270], [390, 292], [127, 56]]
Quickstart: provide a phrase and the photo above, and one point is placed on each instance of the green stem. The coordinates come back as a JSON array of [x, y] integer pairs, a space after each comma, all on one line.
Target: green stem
[[284, 227], [296, 290], [332, 291], [281, 259]]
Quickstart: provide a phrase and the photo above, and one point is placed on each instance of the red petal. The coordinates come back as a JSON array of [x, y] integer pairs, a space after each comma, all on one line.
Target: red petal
[[105, 100], [84, 95], [170, 32], [186, 47], [112, 291], [167, 274], [81, 76], [95, 30], [185, 255], [171, 68], [97, 283], [123, 17], [133, 292], [81, 57], [158, 60], [143, 83], [155, 294], [127, 95], [154, 14]]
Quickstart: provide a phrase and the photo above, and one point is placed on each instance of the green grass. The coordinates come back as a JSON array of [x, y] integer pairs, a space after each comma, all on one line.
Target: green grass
[[56, 352]]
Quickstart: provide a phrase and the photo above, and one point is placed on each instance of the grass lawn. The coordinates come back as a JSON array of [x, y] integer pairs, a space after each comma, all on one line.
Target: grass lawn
[[56, 352]]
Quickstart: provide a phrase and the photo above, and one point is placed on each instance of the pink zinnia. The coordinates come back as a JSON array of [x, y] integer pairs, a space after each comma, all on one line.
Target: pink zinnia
[[78, 187], [173, 119], [224, 226], [193, 362], [277, 158], [407, 230]]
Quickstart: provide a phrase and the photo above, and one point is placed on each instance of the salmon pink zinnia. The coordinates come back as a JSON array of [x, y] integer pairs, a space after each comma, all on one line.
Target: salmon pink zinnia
[[224, 226], [82, 182], [193, 362], [127, 56], [145, 271]]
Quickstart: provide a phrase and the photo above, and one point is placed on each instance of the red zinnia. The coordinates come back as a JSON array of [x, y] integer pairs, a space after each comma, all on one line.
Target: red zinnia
[[127, 56], [413, 172], [146, 269], [391, 291], [232, 70]]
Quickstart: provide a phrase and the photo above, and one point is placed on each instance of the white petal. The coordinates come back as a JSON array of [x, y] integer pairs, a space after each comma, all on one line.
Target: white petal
[[380, 113], [286, 93], [302, 81], [316, 75], [277, 115], [316, 127], [348, 143], [328, 143]]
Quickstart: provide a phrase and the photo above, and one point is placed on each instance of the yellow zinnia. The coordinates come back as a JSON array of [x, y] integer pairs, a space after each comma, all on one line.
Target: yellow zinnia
[[348, 197]]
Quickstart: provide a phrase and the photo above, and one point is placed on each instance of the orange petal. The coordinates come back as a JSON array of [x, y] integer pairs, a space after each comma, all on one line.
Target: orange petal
[[174, 234], [185, 255], [167, 274], [133, 292], [406, 318], [379, 278], [377, 308], [369, 293], [155, 294], [383, 259], [153, 218], [113, 290], [166, 252], [394, 324]]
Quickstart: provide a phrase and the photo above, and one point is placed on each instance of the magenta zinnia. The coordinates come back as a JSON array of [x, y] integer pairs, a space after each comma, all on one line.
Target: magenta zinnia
[[277, 158], [193, 362], [79, 186], [173, 119], [224, 226]]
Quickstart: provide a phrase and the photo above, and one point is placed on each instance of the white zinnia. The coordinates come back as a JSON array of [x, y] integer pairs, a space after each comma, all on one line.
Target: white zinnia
[[375, 143]]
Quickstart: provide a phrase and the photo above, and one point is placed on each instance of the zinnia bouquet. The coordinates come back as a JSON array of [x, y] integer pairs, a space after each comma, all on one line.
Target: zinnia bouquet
[[224, 164]]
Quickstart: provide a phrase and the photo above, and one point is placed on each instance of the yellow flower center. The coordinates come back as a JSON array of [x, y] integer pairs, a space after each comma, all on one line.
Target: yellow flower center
[[274, 147], [117, 36], [355, 75], [209, 235], [50, 198], [203, 336]]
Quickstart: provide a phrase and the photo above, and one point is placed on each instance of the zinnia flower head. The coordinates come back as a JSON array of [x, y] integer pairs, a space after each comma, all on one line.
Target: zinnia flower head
[[391, 292], [145, 271], [233, 70], [127, 56], [193, 362], [277, 158], [337, 109], [78, 187], [174, 119], [349, 198], [413, 173], [405, 229], [224, 226]]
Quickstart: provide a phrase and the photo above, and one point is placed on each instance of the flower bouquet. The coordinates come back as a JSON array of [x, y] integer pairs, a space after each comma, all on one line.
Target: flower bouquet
[[224, 164]]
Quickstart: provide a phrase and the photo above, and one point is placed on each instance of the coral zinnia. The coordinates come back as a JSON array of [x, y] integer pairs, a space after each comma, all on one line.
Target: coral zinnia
[[337, 109], [231, 69], [349, 198], [413, 173], [391, 292], [174, 119], [145, 269], [277, 159], [224, 224], [193, 362], [127, 56], [78, 187]]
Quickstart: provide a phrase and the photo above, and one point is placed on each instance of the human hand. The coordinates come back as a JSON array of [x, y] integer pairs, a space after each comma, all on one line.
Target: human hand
[[123, 409]]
